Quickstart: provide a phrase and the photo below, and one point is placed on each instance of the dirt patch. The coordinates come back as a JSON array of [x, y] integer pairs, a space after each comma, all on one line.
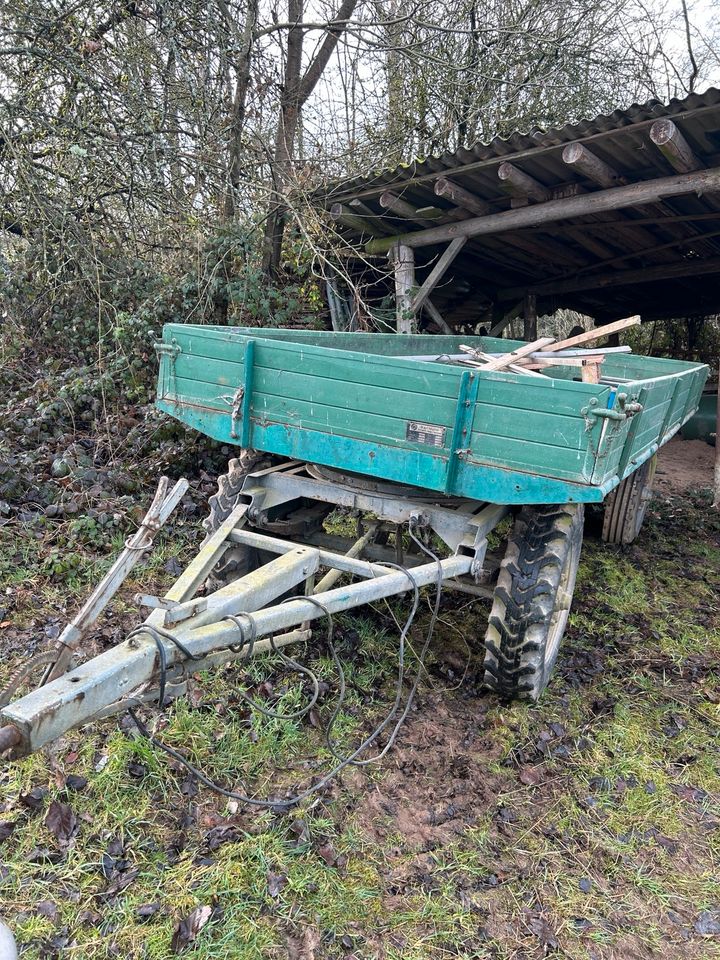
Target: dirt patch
[[437, 784], [684, 465]]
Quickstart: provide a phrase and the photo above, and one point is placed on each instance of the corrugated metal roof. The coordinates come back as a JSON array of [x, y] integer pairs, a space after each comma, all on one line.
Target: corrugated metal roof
[[493, 268], [501, 148]]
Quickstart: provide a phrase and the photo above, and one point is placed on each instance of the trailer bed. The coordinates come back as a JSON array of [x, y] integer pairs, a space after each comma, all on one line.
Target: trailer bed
[[359, 403]]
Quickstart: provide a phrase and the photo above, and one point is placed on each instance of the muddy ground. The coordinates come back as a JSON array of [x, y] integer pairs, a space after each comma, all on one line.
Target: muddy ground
[[587, 826]]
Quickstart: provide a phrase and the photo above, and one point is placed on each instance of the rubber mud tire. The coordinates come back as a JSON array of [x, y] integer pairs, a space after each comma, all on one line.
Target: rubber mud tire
[[625, 506], [532, 600], [239, 559]]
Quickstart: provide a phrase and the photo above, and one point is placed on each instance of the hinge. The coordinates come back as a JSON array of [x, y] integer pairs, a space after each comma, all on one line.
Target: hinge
[[171, 349]]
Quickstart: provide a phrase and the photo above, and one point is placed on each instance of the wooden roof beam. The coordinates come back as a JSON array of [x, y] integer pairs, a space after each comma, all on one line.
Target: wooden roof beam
[[578, 157], [461, 197], [390, 201], [614, 198], [521, 184], [687, 268], [348, 217], [673, 146]]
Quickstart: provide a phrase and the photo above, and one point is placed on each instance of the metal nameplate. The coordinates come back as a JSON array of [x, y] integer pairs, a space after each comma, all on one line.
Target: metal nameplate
[[428, 433]]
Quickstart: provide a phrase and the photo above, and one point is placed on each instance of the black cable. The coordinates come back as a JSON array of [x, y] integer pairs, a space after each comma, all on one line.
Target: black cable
[[351, 759], [156, 633]]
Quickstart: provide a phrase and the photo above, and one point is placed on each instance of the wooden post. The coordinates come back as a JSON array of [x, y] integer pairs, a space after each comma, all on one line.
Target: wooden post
[[530, 317], [716, 498], [403, 260]]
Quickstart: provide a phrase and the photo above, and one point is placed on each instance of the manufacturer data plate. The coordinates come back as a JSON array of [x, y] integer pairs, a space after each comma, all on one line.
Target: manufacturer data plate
[[428, 433]]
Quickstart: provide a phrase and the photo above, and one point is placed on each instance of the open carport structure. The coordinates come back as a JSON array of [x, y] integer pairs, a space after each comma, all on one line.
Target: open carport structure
[[610, 216]]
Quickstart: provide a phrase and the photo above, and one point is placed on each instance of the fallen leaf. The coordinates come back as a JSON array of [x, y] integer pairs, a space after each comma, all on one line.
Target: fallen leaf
[[543, 931], [146, 910], [275, 882], [46, 908], [6, 828], [34, 799], [530, 775], [75, 782], [188, 929], [708, 923], [121, 882], [328, 854], [300, 829], [223, 833], [60, 820]]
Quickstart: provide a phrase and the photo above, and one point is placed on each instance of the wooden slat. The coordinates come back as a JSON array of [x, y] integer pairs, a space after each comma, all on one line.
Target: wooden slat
[[499, 362], [595, 334]]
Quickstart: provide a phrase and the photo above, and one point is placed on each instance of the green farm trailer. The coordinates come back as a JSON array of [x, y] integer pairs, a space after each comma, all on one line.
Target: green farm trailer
[[428, 455]]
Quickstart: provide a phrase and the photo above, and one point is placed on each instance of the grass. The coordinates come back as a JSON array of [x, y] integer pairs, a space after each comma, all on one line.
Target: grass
[[588, 825]]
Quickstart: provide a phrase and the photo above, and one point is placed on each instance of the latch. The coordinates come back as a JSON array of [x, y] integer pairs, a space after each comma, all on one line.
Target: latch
[[626, 410], [236, 411]]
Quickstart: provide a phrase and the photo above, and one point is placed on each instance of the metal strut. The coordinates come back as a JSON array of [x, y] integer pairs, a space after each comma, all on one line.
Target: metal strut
[[184, 634]]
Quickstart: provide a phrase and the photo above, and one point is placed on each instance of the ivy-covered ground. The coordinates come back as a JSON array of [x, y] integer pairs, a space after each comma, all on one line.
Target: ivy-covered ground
[[587, 826]]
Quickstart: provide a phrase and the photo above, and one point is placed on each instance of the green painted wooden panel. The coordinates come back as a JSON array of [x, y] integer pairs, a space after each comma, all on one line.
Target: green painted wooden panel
[[298, 385], [537, 456], [348, 404], [428, 379], [556, 430], [390, 344], [653, 416]]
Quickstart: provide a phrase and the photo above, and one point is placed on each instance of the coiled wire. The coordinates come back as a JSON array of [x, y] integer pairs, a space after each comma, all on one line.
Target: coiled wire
[[352, 759]]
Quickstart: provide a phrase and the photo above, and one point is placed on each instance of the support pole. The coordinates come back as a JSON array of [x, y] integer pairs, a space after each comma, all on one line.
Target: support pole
[[438, 271], [579, 157], [521, 184], [530, 317], [389, 201], [507, 318], [350, 219], [437, 317], [403, 260], [461, 197]]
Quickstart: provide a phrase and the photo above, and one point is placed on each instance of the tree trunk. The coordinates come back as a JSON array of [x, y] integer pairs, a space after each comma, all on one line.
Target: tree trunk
[[284, 140], [237, 115], [296, 90]]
